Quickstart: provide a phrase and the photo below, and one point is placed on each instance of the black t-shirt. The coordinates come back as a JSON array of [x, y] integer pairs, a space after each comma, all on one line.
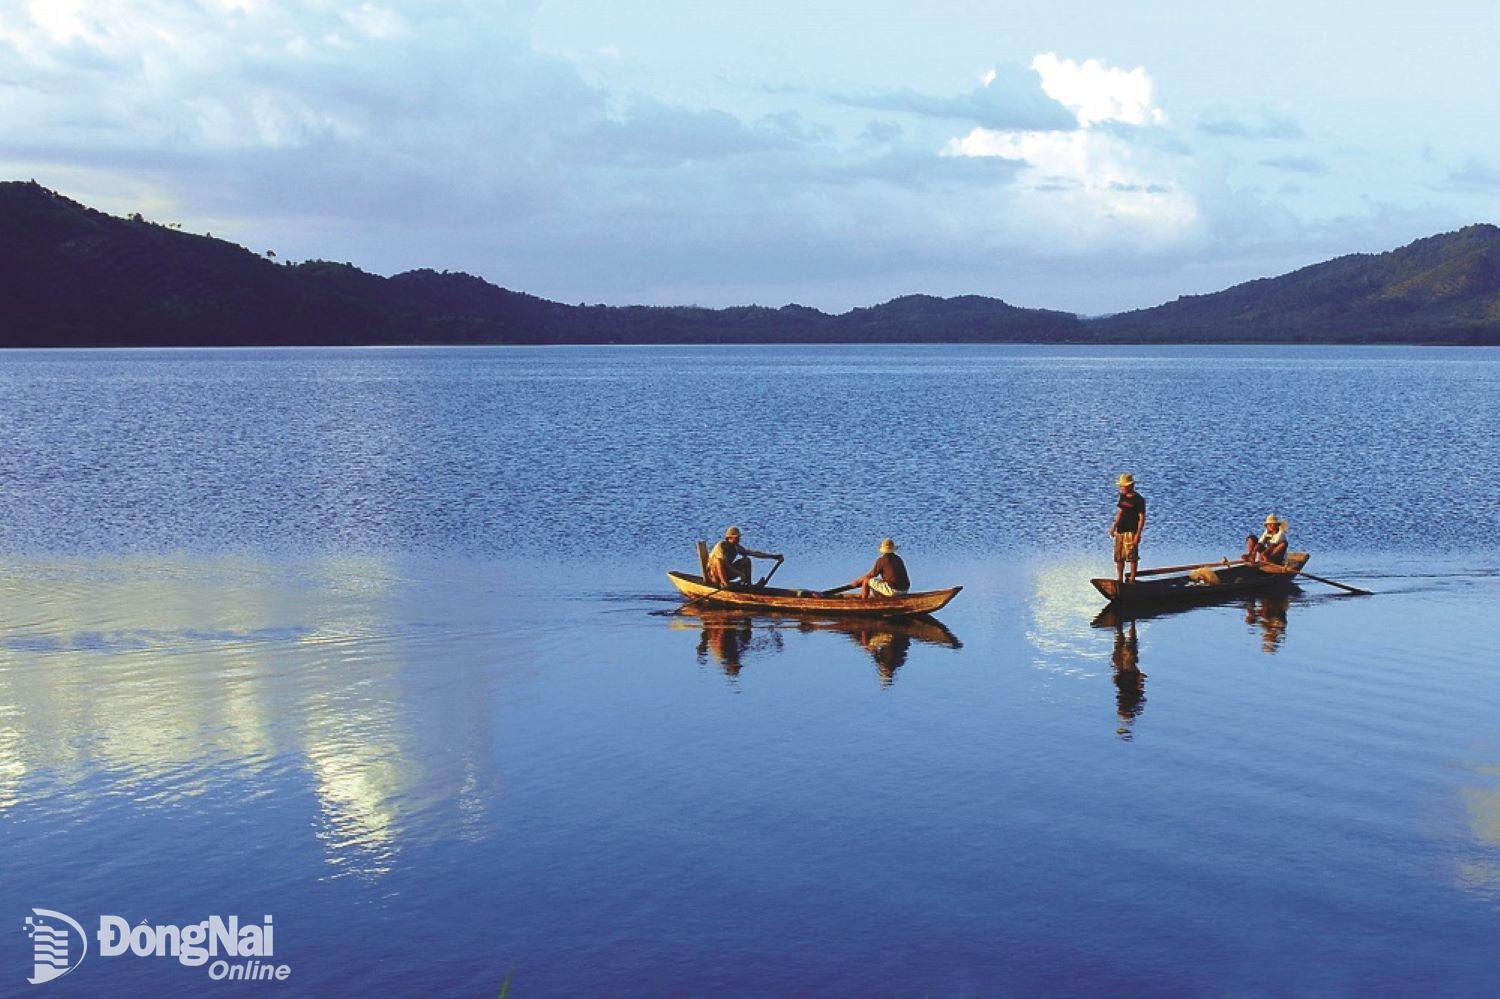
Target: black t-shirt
[[893, 571], [1132, 509]]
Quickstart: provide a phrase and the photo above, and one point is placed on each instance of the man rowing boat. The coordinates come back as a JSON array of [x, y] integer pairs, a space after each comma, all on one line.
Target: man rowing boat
[[888, 577], [729, 562]]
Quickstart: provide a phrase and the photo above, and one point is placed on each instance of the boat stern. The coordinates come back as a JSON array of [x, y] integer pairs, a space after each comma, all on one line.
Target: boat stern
[[688, 586], [1110, 588]]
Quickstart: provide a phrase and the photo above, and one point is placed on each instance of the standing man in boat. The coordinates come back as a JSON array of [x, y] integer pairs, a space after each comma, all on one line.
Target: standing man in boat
[[1129, 525], [1272, 544], [729, 562], [888, 578]]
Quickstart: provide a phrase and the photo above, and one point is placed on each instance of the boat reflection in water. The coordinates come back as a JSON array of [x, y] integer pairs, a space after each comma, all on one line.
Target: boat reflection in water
[[1130, 682], [729, 637], [1267, 609]]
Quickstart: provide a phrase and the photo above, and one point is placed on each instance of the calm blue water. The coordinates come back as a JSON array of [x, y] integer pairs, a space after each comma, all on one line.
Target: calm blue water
[[379, 642]]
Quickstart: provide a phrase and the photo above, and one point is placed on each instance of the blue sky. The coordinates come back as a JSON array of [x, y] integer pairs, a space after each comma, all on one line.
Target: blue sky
[[1083, 156]]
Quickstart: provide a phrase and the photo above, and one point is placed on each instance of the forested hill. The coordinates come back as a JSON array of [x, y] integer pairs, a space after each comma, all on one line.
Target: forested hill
[[73, 276], [1442, 289]]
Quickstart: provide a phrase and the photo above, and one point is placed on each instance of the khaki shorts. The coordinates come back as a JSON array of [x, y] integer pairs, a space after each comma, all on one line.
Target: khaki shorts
[[1127, 547], [880, 586]]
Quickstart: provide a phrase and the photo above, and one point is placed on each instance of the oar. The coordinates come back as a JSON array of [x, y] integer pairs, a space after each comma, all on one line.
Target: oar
[[1185, 568], [767, 577], [701, 596], [1342, 586], [1283, 570], [720, 589], [837, 590]]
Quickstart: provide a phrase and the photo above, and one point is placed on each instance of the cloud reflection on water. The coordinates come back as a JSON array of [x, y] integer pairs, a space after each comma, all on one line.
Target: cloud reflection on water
[[170, 679]]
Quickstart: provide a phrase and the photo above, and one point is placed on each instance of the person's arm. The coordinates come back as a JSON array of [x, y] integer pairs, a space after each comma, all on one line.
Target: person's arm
[[755, 554], [1141, 527], [862, 580], [1114, 527]]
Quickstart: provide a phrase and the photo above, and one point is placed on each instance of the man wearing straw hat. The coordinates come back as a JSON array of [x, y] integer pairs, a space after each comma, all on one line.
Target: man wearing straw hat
[[1129, 525], [1272, 544], [888, 578]]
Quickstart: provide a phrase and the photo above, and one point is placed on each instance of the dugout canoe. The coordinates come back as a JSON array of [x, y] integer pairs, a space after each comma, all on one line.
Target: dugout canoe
[[1202, 583], [773, 598]]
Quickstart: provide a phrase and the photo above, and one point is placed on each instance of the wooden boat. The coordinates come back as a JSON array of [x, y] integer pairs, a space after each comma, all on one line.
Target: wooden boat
[[773, 598], [1204, 583], [1117, 613]]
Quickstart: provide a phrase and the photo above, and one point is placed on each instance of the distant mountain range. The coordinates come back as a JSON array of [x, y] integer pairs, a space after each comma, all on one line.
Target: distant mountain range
[[73, 276]]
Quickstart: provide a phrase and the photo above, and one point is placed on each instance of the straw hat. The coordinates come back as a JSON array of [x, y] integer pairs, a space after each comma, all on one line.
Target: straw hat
[[1125, 479], [731, 531], [1271, 519], [887, 546]]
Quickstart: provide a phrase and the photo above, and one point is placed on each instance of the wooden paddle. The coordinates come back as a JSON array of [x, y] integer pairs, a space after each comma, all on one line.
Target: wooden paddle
[[701, 596], [1185, 568], [838, 589], [703, 560], [1342, 586], [1274, 567], [767, 577]]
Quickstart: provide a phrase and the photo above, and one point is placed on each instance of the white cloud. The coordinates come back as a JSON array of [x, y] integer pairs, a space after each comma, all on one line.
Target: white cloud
[[1086, 185], [403, 133], [1092, 182], [1097, 93]]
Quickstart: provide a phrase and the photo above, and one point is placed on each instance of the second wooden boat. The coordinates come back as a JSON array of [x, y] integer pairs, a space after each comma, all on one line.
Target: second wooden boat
[[1203, 583], [810, 602]]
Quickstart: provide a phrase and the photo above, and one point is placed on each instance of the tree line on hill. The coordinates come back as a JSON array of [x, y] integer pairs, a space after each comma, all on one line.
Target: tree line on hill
[[73, 276]]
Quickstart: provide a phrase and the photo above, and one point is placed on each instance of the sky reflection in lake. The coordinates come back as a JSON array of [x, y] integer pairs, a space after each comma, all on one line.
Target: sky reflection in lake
[[349, 743], [520, 756]]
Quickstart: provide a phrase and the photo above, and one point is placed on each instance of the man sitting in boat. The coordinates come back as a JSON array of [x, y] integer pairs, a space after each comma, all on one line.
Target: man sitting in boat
[[1272, 544], [888, 578], [729, 562]]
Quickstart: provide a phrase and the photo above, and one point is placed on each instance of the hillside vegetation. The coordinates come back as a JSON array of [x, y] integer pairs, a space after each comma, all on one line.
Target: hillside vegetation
[[73, 276]]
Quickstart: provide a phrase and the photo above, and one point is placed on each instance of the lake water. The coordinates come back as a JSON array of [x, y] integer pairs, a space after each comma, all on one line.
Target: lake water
[[379, 642]]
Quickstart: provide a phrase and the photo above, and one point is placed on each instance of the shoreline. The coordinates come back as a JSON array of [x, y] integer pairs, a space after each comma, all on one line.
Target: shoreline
[[1342, 344]]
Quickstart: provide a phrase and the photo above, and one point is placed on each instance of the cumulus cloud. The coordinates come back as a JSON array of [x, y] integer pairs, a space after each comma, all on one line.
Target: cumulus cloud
[[402, 133], [1092, 182], [407, 134], [1089, 185], [1098, 93]]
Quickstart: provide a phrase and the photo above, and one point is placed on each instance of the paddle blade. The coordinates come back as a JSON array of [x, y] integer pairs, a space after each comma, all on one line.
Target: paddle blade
[[1343, 586]]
